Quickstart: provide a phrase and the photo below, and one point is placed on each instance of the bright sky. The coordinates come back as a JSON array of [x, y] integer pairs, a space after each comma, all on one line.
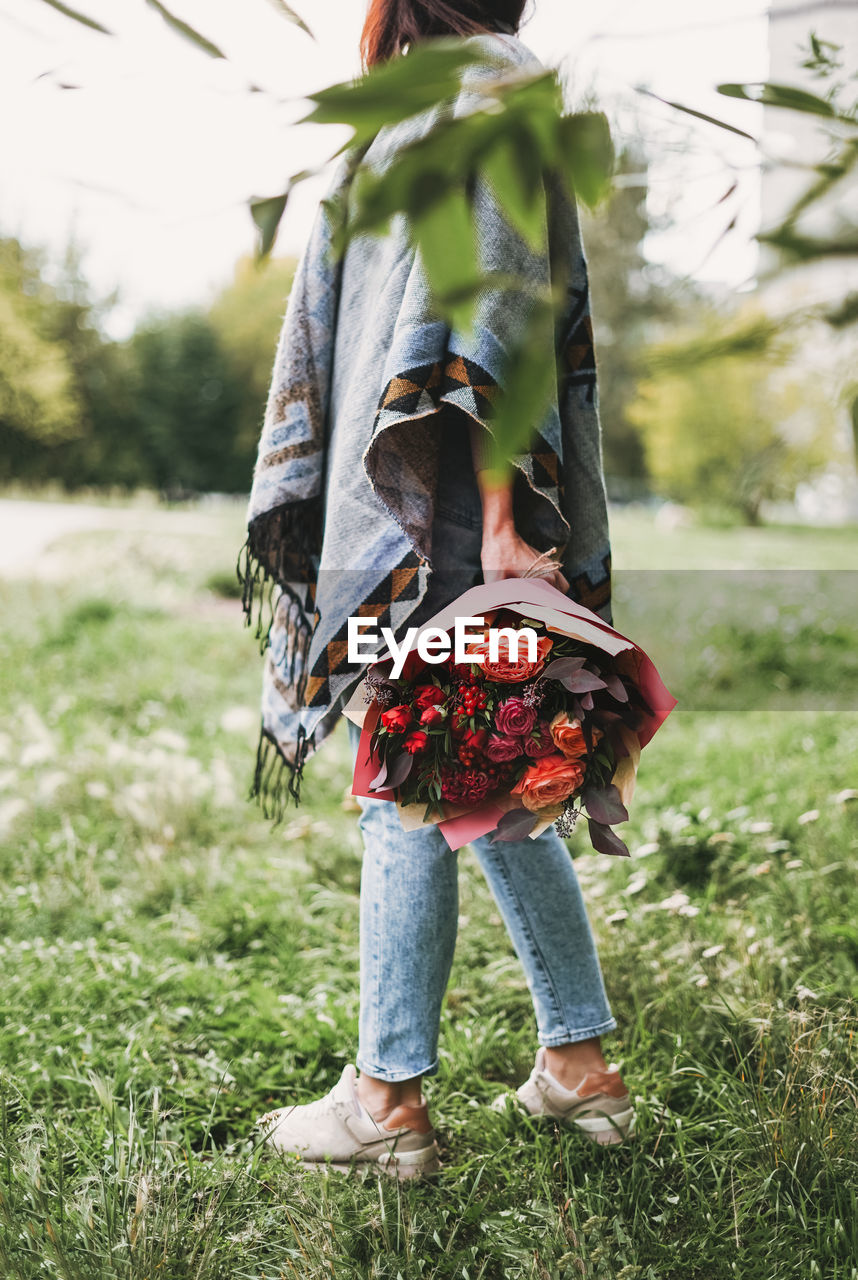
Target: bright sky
[[153, 157]]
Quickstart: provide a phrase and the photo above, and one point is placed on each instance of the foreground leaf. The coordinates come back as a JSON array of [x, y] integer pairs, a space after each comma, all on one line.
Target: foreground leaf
[[587, 155], [291, 16], [514, 825], [393, 91], [266, 213], [562, 667], [604, 840], [779, 95], [399, 769], [77, 16], [604, 804], [698, 115], [188, 32]]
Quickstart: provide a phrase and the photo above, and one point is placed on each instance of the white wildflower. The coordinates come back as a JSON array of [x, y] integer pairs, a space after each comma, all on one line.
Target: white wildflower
[[170, 739], [675, 901], [239, 720]]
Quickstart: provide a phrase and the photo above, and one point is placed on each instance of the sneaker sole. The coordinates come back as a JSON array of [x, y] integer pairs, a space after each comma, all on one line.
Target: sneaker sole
[[407, 1165], [600, 1129]]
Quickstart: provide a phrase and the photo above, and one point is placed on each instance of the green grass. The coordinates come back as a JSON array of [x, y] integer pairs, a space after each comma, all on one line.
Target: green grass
[[173, 967]]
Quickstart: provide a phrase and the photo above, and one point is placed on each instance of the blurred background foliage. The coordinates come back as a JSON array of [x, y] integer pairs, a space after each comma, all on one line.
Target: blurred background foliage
[[81, 409]]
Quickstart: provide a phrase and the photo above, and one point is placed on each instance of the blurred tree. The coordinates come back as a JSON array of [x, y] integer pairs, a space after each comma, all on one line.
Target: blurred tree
[[178, 406], [728, 428], [183, 404], [246, 317], [628, 297], [40, 406]]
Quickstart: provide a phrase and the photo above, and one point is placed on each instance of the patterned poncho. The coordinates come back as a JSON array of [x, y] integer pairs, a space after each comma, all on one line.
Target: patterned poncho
[[341, 508]]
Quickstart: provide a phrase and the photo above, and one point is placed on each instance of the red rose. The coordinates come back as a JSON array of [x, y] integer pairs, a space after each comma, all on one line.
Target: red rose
[[428, 695], [540, 742], [432, 716], [502, 747], [416, 742], [472, 746], [514, 716], [397, 719]]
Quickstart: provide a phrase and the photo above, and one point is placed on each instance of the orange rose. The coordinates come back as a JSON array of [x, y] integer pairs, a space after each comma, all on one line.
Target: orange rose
[[549, 781], [568, 735], [505, 671]]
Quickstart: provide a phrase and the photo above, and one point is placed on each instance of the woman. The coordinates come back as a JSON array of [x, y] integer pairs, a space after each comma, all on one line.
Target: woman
[[372, 497]]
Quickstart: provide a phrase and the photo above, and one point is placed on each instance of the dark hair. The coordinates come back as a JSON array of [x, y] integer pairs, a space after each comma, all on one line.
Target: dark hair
[[392, 24]]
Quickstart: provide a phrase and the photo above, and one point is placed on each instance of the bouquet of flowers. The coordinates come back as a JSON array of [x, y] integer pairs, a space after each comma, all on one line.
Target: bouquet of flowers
[[518, 735]]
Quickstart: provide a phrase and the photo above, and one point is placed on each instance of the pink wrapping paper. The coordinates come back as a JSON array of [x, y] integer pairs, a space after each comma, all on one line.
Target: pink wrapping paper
[[537, 599]]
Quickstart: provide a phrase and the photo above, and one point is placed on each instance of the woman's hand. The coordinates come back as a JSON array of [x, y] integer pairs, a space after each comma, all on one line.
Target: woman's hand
[[505, 554]]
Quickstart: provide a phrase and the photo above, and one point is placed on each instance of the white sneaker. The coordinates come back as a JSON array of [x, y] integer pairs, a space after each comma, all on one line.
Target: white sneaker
[[337, 1127], [600, 1105]]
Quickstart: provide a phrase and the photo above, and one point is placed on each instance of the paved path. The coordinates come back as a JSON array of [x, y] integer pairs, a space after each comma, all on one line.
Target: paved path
[[27, 529]]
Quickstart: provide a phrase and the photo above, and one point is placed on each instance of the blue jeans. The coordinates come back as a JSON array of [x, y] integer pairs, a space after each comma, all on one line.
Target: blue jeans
[[409, 913], [409, 898]]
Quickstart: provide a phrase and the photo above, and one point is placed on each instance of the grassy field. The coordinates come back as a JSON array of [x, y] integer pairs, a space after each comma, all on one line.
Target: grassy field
[[172, 967]]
